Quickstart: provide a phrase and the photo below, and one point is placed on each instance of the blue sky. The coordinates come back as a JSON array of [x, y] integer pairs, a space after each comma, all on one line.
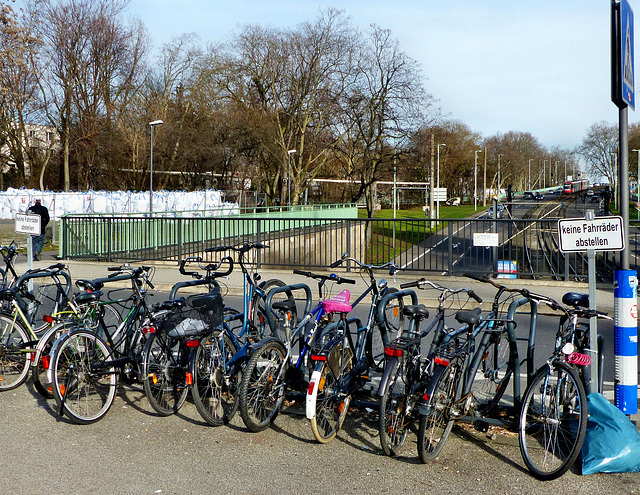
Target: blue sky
[[536, 66]]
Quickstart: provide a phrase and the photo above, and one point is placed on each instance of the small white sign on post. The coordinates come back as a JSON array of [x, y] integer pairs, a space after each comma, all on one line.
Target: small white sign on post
[[486, 239], [599, 234], [27, 224]]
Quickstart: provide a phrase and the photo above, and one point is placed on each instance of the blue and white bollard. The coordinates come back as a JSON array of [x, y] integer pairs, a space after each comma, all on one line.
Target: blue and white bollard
[[625, 319]]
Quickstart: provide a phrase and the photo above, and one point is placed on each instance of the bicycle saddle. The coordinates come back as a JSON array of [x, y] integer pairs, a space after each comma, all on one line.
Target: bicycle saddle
[[472, 317], [85, 297], [576, 299], [420, 310]]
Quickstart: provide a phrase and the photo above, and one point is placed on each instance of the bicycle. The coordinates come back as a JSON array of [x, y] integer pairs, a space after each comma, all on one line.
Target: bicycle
[[553, 419], [342, 366], [18, 338], [217, 361], [84, 366], [273, 369], [407, 369], [173, 328]]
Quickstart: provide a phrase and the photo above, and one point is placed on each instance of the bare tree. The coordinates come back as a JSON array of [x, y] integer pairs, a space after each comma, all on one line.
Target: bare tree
[[598, 149]]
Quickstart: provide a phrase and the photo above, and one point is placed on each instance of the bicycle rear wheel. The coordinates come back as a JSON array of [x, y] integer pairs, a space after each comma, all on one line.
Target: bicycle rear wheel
[[84, 384], [14, 358], [553, 421], [164, 368], [331, 404], [40, 370], [436, 425], [396, 407], [493, 373], [262, 389], [215, 387]]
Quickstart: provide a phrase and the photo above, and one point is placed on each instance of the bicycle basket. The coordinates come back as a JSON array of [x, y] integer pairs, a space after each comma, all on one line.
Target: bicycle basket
[[201, 314]]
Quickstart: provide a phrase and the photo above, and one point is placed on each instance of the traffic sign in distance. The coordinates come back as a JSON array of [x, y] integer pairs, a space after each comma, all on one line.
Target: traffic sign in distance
[[599, 234]]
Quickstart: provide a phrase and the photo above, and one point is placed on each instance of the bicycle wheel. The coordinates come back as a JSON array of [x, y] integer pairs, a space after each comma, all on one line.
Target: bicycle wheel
[[553, 421], [493, 373], [215, 387], [40, 370], [84, 385], [262, 389], [164, 368], [14, 358], [384, 332], [396, 407], [331, 404], [436, 425], [258, 315]]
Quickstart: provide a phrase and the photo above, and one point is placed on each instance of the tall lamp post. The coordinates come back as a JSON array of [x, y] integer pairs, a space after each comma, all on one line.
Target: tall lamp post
[[289, 153], [438, 185], [498, 194], [475, 179], [529, 188], [638, 184], [152, 125]]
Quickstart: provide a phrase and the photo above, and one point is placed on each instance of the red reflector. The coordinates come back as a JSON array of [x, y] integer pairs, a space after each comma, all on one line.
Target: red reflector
[[426, 396], [46, 361], [318, 357], [312, 385], [442, 361], [192, 343], [47, 319], [189, 378], [148, 329], [393, 351]]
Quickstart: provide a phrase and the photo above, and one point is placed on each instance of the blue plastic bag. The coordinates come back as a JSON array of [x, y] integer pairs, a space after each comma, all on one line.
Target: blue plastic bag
[[612, 442]]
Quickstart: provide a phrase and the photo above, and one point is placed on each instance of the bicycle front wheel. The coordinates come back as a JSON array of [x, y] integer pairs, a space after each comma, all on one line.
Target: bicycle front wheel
[[14, 358], [164, 368], [436, 425], [262, 389], [493, 373], [40, 370], [84, 384], [553, 421], [215, 386]]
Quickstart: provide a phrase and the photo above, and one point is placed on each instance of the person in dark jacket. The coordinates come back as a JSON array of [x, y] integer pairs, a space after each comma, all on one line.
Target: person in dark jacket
[[38, 240]]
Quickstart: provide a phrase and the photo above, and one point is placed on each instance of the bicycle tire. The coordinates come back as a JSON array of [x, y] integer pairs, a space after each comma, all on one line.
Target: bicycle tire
[[493, 374], [164, 367], [435, 426], [215, 392], [262, 388], [331, 405], [39, 373], [396, 407], [553, 421], [15, 361], [382, 333], [258, 316], [81, 392]]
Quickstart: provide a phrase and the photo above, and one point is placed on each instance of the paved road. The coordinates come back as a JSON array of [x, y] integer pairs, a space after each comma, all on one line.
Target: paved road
[[132, 451]]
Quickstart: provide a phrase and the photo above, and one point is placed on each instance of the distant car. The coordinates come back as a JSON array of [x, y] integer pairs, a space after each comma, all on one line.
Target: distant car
[[595, 199], [528, 195], [539, 196], [590, 192], [500, 210], [453, 202]]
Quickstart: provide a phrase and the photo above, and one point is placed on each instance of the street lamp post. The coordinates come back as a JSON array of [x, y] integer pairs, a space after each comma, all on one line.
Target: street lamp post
[[438, 186], [498, 193], [544, 174], [289, 153], [529, 188], [475, 179], [152, 125]]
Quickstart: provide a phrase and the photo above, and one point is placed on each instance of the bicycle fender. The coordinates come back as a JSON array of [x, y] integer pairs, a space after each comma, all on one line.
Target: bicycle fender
[[262, 342], [425, 404], [312, 392], [385, 375]]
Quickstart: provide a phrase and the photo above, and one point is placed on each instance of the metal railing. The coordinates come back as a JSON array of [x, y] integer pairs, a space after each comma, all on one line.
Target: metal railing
[[451, 249]]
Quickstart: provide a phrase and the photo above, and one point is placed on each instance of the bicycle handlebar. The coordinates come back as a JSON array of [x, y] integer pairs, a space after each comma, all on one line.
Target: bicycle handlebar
[[422, 282], [210, 268], [333, 277], [345, 257]]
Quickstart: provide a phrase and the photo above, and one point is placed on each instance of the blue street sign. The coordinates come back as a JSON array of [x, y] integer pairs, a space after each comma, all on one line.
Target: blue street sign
[[626, 51]]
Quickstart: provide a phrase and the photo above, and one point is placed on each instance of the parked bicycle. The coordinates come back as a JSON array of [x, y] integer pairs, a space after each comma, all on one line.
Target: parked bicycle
[[342, 366], [274, 368], [84, 366]]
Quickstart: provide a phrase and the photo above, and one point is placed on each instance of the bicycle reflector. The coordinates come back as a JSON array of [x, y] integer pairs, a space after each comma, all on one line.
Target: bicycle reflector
[[318, 357], [442, 361], [393, 351], [189, 378], [148, 329], [46, 362], [47, 319], [192, 343]]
